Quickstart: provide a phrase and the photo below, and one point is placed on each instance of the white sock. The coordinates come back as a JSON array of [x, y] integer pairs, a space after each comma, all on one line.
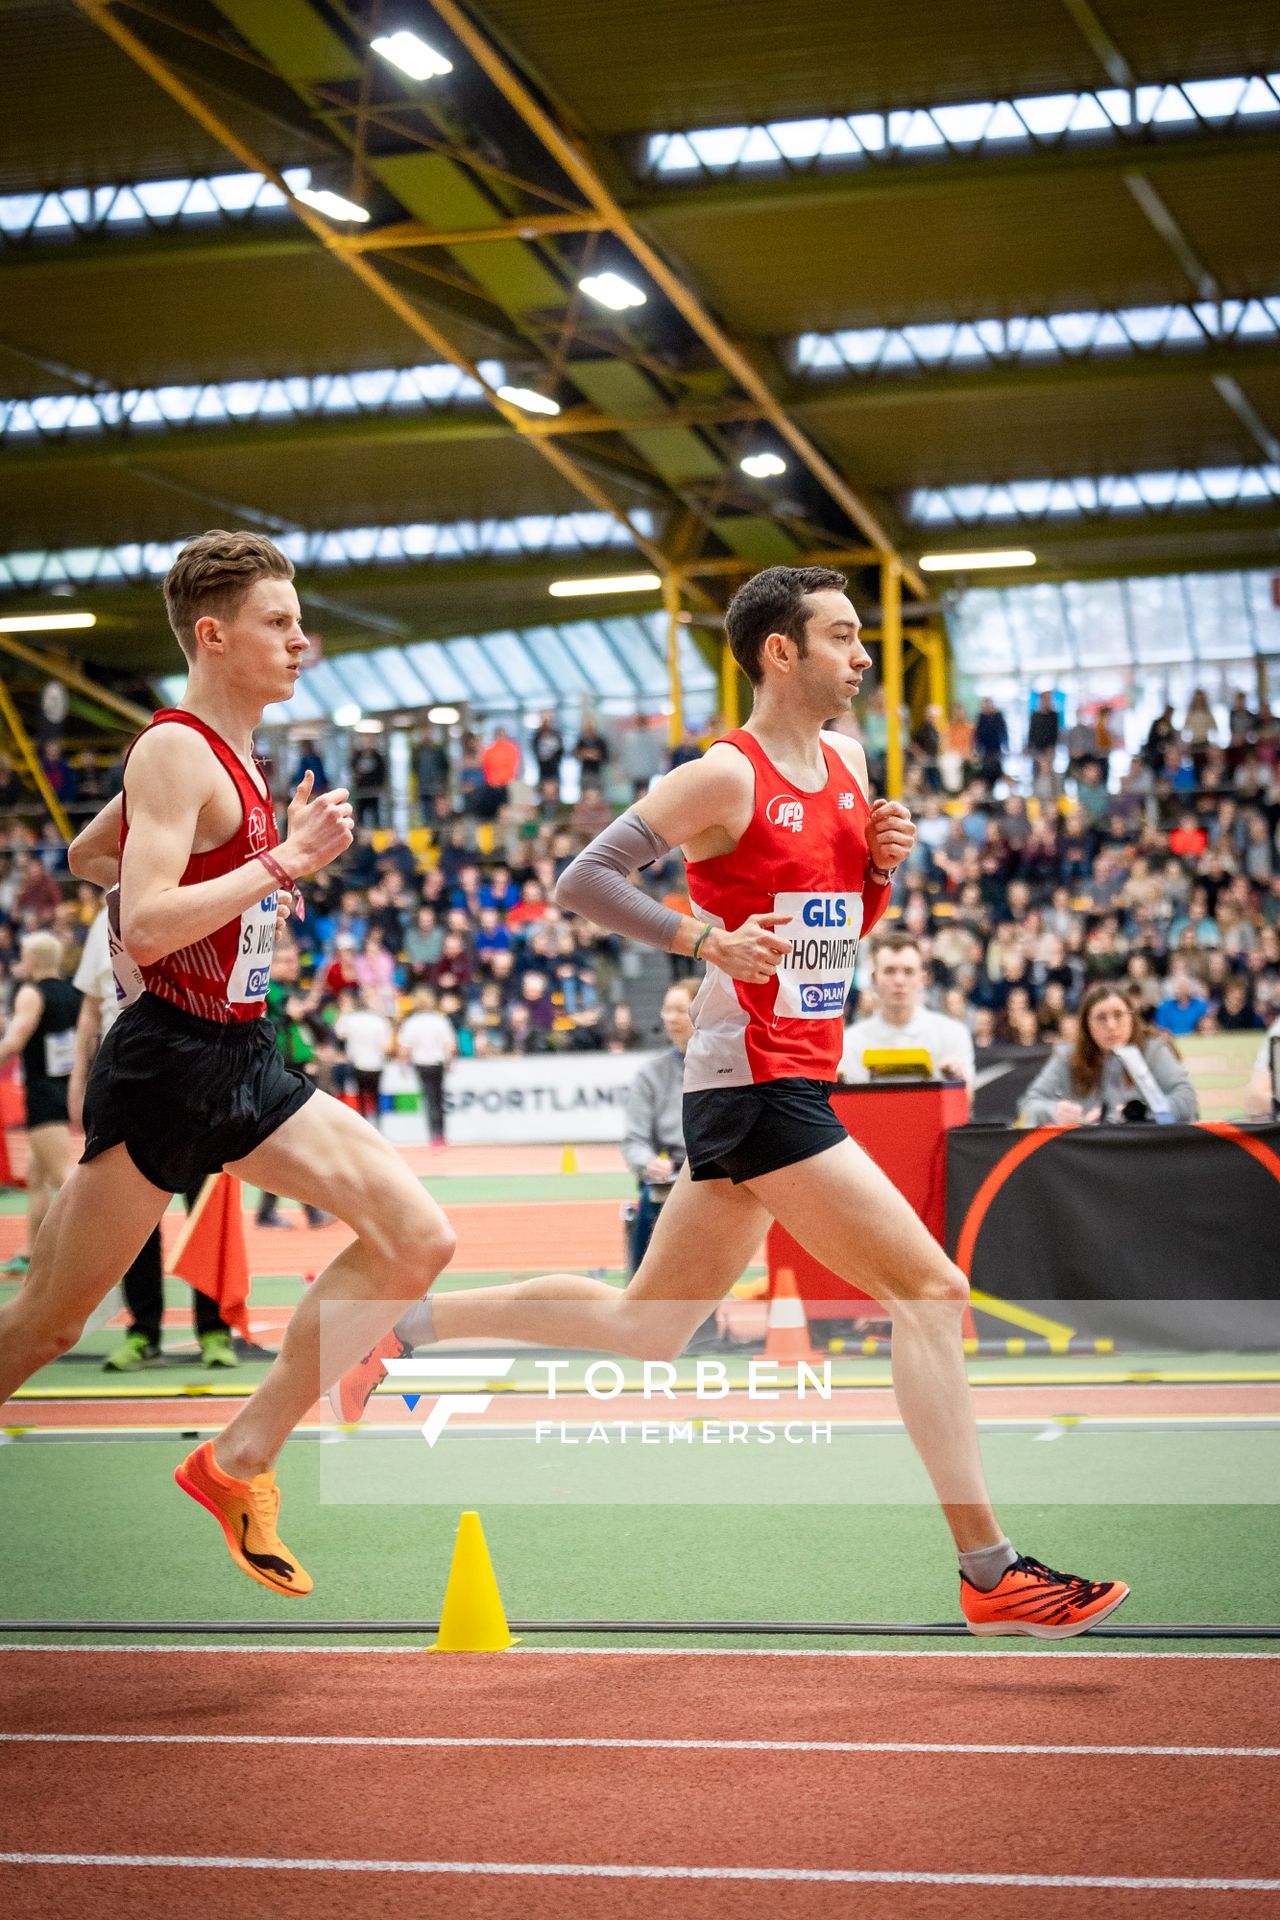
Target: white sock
[[986, 1567], [417, 1328]]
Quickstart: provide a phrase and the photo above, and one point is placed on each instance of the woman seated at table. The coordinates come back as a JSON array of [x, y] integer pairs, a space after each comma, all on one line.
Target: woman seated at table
[[1088, 1080]]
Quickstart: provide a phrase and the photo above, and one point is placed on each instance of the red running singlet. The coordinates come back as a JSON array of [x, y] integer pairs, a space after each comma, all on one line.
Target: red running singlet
[[223, 977], [805, 855]]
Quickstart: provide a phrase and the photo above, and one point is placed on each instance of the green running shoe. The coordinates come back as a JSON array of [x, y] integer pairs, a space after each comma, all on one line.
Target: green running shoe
[[17, 1267], [216, 1349], [134, 1351]]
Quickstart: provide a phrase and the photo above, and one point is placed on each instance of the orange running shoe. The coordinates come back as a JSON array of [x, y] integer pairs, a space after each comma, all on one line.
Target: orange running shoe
[[351, 1395], [246, 1510], [1033, 1599]]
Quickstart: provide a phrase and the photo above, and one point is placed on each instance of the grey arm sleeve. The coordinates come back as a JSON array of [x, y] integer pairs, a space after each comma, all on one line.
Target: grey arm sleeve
[[598, 885]]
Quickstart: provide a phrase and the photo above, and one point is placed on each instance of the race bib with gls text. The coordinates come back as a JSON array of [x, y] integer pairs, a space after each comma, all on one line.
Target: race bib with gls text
[[821, 931]]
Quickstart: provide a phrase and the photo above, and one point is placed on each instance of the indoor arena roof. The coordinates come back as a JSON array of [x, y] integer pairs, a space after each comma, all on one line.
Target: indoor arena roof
[[974, 276]]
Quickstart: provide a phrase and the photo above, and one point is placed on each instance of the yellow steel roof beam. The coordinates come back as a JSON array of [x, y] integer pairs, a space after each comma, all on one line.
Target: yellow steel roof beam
[[580, 170]]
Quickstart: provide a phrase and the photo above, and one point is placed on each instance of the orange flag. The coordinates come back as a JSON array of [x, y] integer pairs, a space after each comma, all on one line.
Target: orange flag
[[210, 1252]]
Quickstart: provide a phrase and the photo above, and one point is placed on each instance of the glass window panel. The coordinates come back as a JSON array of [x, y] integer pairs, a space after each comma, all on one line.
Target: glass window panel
[[1219, 616], [1264, 613], [695, 674], [605, 672], [1037, 620], [404, 684], [368, 687], [1159, 617], [326, 688], [429, 660], [1096, 619], [555, 661], [490, 687], [517, 666], [980, 633]]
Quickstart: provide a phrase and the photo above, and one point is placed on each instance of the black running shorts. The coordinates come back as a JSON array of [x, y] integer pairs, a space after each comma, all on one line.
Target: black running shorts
[[47, 1104], [740, 1133], [186, 1095]]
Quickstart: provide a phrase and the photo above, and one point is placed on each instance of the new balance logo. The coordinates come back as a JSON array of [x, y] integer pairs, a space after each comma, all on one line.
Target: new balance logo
[[844, 802], [482, 1367], [785, 813]]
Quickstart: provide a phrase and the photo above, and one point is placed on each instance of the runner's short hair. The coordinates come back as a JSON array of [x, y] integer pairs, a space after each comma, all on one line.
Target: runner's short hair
[[213, 574], [896, 940], [775, 601]]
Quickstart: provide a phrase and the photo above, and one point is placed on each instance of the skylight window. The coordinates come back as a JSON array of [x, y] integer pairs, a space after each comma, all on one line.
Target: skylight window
[[1099, 494]]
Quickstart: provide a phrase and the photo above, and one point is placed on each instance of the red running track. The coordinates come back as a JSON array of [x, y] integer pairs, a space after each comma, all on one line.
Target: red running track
[[1185, 1816]]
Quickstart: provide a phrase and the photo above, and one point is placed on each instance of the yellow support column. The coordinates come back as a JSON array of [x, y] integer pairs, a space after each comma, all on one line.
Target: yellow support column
[[891, 668], [730, 707], [934, 648], [22, 740], [671, 603]]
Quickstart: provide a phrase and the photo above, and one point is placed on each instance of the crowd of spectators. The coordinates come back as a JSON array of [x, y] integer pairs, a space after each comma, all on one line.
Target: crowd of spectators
[[1028, 882]]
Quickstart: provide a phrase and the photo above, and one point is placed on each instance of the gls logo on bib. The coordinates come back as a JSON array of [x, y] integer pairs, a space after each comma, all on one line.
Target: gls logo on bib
[[821, 932], [785, 813]]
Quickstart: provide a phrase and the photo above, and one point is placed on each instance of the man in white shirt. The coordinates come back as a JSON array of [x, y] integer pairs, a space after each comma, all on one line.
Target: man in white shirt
[[902, 1020], [428, 1042], [367, 1040]]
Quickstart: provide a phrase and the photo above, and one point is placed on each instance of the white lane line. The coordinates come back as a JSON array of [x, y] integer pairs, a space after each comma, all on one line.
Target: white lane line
[[574, 1870], [540, 1742], [1057, 1650]]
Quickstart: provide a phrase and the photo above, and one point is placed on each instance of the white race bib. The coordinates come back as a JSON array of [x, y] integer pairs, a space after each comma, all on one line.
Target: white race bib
[[821, 932], [59, 1054], [124, 968], [251, 974]]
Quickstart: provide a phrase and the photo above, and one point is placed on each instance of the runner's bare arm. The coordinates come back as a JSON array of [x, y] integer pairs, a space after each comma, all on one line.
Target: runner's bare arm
[[94, 854], [704, 807], [23, 1021], [171, 778]]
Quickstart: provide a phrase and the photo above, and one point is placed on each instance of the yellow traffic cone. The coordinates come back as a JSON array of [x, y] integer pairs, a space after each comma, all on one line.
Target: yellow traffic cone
[[472, 1619], [568, 1161]]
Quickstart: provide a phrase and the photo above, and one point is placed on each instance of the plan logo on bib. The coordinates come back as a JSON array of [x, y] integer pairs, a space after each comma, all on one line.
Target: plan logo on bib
[[785, 813]]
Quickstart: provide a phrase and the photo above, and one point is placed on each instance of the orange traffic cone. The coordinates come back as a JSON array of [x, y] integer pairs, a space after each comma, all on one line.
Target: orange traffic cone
[[210, 1252], [787, 1338]]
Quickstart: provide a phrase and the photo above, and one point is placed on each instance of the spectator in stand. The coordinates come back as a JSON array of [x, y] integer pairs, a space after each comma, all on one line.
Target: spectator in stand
[[1091, 793], [1086, 1080], [501, 764], [957, 750], [309, 761], [367, 1040], [1189, 840], [548, 754], [1044, 726], [1199, 730], [1081, 746], [591, 754], [11, 788], [926, 747], [39, 895], [1161, 736], [1183, 1006], [991, 743], [619, 1034], [687, 748], [422, 943], [376, 972], [368, 782], [1241, 723], [340, 976], [902, 1020], [431, 772], [428, 1042], [1236, 1011]]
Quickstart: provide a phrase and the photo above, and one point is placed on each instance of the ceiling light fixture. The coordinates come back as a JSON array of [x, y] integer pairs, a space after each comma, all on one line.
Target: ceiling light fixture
[[411, 55], [973, 562], [443, 716], [46, 622], [331, 205], [527, 400], [611, 290], [349, 716], [763, 466], [607, 583], [369, 726]]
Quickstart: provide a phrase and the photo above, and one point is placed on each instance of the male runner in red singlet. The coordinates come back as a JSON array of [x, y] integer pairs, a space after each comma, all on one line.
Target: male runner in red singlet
[[189, 1079], [789, 865]]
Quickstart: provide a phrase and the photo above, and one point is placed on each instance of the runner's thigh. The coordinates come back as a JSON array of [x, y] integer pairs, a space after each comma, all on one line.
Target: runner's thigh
[[327, 1156], [849, 1215], [707, 1232]]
